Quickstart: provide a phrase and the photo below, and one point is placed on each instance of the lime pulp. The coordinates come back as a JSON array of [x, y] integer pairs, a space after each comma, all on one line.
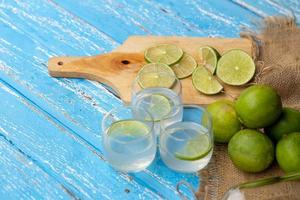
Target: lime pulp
[[156, 75], [235, 67], [205, 82], [159, 106], [128, 128], [185, 66], [163, 53], [208, 57], [195, 148]]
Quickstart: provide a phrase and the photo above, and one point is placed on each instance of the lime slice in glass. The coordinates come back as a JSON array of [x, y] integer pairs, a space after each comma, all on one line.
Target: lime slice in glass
[[208, 57], [164, 53], [185, 66], [235, 67], [128, 128], [158, 106], [195, 148], [205, 82], [156, 75]]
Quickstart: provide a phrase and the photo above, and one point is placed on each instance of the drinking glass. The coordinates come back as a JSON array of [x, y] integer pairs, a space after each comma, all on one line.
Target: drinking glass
[[163, 103], [187, 146], [128, 138]]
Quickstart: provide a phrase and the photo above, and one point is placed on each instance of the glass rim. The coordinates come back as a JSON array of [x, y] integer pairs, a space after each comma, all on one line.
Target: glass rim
[[146, 136], [203, 109]]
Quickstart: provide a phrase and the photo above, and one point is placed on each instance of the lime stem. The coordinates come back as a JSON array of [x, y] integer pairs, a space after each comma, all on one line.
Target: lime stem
[[294, 176]]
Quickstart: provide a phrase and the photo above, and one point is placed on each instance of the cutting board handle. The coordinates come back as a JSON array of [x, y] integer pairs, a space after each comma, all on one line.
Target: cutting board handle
[[116, 70]]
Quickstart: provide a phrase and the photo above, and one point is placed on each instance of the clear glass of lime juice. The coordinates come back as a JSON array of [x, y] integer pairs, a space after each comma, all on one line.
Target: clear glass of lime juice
[[187, 146], [160, 94], [128, 139]]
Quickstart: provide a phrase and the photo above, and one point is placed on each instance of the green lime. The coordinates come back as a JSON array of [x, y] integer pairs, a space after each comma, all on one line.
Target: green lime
[[288, 152], [164, 53], [258, 106], [159, 106], [208, 57], [185, 66], [195, 149], [128, 128], [235, 67], [224, 120], [251, 150], [289, 121], [156, 75], [205, 82]]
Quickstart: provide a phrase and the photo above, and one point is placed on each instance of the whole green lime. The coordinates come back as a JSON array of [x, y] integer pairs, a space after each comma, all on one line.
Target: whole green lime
[[288, 122], [225, 120], [258, 106], [251, 150], [288, 152]]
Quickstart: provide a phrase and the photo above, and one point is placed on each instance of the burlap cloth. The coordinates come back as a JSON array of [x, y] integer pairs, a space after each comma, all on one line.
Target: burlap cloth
[[276, 50]]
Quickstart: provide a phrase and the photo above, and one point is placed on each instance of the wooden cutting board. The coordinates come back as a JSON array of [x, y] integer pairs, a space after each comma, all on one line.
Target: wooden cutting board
[[119, 68]]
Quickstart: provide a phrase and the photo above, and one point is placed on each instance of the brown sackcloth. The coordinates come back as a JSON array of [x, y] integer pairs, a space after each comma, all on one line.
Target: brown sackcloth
[[277, 57]]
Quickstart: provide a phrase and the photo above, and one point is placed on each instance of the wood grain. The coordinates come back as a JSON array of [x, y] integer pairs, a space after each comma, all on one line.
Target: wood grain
[[34, 30], [31, 32], [118, 69], [67, 158]]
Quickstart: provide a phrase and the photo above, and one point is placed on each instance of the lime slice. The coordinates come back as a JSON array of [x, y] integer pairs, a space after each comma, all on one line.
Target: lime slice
[[195, 149], [185, 66], [164, 53], [205, 82], [235, 67], [208, 57], [156, 75], [128, 128], [159, 106]]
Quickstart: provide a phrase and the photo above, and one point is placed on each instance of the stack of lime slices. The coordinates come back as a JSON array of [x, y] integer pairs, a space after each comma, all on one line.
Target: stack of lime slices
[[171, 55], [235, 68]]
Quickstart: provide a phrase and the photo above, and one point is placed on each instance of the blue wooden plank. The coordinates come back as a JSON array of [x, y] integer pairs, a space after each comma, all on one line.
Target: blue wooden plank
[[64, 157], [20, 178], [120, 19], [77, 104], [286, 6], [35, 30], [269, 7], [219, 18]]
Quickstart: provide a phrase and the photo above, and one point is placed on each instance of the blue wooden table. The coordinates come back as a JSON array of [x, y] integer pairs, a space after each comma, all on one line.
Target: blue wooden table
[[50, 138]]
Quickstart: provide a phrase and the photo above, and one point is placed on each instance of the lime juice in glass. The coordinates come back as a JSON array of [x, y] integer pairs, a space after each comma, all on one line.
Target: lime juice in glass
[[157, 90], [128, 139], [187, 146]]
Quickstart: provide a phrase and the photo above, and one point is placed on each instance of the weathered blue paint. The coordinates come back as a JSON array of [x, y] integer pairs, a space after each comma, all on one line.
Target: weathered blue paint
[[50, 139]]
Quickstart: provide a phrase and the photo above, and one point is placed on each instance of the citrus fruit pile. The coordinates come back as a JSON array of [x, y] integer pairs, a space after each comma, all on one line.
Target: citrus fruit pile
[[234, 67], [257, 130]]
